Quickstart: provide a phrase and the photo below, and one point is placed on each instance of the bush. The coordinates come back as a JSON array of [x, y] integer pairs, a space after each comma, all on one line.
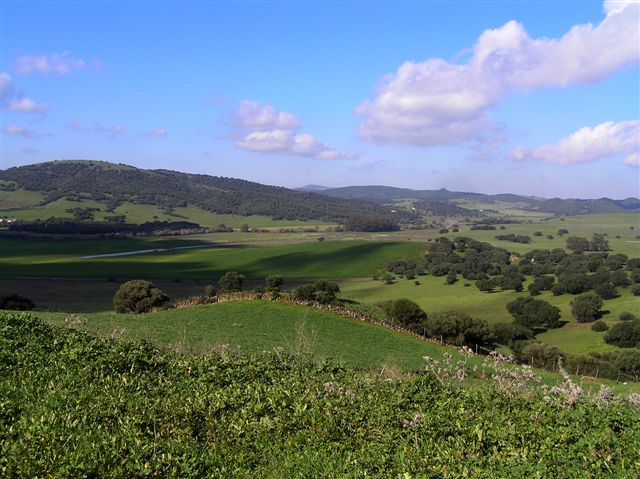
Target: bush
[[636, 290], [506, 333], [231, 281], [451, 277], [138, 296], [627, 316], [624, 335], [599, 326], [210, 291], [322, 291], [586, 307], [539, 355], [460, 329], [274, 283], [534, 313], [15, 302], [406, 313], [606, 291]]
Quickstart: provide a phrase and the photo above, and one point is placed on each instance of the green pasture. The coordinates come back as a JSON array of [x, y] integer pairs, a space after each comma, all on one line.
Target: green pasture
[[257, 326], [434, 296], [328, 259]]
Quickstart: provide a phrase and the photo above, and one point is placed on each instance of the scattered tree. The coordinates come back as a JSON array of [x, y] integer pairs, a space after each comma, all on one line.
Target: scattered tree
[[586, 307], [138, 296]]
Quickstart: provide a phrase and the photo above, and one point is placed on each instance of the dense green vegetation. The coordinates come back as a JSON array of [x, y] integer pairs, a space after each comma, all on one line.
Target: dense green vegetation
[[78, 406], [113, 185]]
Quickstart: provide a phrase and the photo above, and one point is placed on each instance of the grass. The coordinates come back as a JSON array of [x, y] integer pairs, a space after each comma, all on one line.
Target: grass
[[434, 296], [258, 326], [19, 199], [329, 259], [255, 326]]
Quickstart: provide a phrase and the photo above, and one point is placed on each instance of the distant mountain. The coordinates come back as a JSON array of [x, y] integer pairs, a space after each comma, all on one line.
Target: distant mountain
[[313, 188], [389, 194], [114, 184]]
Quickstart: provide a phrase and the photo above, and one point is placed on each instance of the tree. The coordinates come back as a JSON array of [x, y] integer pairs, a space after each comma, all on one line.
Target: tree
[[274, 283], [451, 277], [322, 291], [506, 333], [577, 244], [599, 326], [606, 291], [459, 329], [406, 313], [627, 316], [138, 296], [624, 335], [586, 307], [231, 281], [244, 228], [485, 285], [210, 291], [598, 243], [534, 313], [620, 278]]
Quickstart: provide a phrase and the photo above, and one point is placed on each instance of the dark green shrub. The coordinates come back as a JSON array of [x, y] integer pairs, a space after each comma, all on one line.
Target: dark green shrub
[[586, 307], [534, 313], [231, 281], [459, 329], [599, 326], [636, 290], [506, 333], [406, 313], [210, 291], [627, 316], [274, 283], [624, 335], [606, 291], [322, 291], [15, 302], [138, 296]]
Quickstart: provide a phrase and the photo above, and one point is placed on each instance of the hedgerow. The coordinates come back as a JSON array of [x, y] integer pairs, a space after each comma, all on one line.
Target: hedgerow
[[76, 406]]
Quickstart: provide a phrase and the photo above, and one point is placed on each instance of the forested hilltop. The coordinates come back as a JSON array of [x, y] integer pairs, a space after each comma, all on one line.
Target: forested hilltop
[[557, 206], [114, 184]]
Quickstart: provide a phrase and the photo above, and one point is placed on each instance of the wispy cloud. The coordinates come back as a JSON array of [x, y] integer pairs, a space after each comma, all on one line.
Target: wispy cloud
[[14, 130], [56, 63], [113, 131], [589, 144], [262, 128], [12, 99], [441, 103], [159, 133]]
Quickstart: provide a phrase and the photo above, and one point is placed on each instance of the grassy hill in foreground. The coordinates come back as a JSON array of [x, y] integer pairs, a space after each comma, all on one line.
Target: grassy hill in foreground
[[75, 406]]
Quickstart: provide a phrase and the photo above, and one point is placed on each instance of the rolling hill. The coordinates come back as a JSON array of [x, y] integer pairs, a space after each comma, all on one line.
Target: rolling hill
[[559, 206], [114, 184]]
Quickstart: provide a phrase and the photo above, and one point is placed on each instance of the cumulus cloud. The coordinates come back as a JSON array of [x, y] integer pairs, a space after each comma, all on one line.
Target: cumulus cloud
[[589, 144], [56, 63], [159, 133], [251, 114], [14, 130], [263, 128], [441, 103]]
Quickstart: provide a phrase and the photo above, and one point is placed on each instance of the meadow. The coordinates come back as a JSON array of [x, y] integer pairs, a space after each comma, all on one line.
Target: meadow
[[326, 259], [435, 296]]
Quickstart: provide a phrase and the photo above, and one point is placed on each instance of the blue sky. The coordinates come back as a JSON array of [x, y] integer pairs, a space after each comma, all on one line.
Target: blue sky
[[522, 97]]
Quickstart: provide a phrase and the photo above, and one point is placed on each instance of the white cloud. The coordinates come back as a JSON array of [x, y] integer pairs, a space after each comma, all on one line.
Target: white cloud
[[159, 133], [58, 63], [265, 129], [253, 115], [114, 130], [589, 144], [14, 130], [14, 100], [633, 159], [440, 103], [27, 105]]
